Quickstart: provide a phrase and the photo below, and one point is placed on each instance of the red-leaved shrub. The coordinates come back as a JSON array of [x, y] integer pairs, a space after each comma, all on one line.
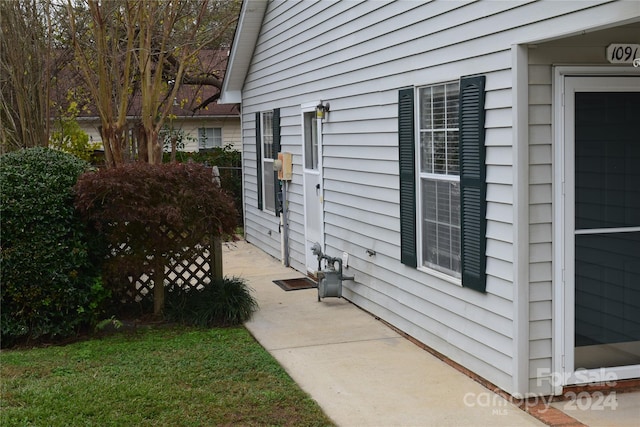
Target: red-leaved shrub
[[149, 214]]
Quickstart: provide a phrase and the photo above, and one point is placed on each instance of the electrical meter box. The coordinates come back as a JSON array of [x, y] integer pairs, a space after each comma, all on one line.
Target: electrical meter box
[[286, 171]]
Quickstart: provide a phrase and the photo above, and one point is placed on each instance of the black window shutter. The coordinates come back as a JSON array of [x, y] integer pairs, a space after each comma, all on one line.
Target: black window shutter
[[276, 149], [473, 187], [407, 165], [259, 160]]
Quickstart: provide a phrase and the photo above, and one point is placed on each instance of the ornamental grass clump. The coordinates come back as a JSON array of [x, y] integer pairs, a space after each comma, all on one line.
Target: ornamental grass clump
[[223, 302]]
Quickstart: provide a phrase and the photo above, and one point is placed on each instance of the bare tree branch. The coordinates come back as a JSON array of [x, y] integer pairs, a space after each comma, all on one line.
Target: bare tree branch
[[141, 52]]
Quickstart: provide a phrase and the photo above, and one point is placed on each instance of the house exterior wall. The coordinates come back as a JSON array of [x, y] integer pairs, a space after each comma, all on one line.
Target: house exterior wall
[[230, 130], [357, 55], [578, 50]]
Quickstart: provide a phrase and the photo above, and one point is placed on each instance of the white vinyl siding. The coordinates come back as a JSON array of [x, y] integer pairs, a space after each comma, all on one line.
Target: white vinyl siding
[[357, 55], [540, 226], [361, 69], [582, 49]]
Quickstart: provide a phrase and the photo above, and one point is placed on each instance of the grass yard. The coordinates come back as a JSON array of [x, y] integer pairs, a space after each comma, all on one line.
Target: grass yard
[[171, 376]]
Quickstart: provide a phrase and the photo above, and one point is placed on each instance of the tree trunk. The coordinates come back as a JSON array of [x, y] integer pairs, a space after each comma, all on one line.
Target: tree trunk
[[114, 142], [158, 287], [216, 257], [141, 136], [155, 149], [105, 133]]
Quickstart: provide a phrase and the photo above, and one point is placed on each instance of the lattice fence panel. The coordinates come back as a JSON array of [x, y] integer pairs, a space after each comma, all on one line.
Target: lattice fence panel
[[192, 268]]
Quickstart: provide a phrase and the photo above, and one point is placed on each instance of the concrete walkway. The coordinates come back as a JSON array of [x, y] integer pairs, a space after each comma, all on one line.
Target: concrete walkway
[[360, 371]]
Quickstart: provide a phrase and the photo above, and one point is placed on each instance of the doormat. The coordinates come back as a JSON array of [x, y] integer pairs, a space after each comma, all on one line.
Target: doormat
[[296, 284]]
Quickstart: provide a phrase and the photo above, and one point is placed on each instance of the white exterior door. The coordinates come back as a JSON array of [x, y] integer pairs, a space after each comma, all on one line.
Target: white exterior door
[[599, 228], [312, 176]]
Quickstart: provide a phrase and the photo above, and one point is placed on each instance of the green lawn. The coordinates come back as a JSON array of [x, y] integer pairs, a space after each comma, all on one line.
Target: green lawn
[[172, 376]]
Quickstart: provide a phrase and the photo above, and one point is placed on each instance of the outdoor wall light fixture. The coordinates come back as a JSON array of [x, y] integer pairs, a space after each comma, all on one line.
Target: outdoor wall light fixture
[[322, 110]]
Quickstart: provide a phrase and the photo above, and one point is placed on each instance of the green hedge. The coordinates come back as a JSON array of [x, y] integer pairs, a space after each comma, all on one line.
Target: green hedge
[[50, 286], [229, 162], [224, 156]]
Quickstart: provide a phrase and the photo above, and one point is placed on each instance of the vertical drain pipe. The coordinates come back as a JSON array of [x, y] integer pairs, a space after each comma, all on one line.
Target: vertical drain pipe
[[283, 165], [285, 225]]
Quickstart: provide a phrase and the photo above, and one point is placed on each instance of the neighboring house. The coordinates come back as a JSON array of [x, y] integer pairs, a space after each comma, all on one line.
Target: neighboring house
[[200, 128], [479, 165], [218, 126]]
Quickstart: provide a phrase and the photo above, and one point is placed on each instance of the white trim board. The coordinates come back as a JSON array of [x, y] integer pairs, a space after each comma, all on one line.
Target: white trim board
[[563, 296]]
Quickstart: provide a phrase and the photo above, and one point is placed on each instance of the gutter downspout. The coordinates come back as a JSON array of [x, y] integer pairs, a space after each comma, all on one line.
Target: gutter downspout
[[284, 223]]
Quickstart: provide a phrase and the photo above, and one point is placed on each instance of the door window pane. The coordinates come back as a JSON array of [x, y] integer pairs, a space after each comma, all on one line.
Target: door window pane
[[607, 160], [310, 141], [607, 311], [607, 217]]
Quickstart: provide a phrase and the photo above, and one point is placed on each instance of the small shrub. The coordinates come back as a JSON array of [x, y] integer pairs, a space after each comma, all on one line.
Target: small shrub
[[150, 215], [223, 302], [47, 263], [68, 136]]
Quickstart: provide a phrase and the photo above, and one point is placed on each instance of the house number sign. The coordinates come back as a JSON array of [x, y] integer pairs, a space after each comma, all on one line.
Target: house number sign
[[622, 53]]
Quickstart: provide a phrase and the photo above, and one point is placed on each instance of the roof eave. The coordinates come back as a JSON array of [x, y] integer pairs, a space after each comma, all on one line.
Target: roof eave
[[230, 97], [244, 42]]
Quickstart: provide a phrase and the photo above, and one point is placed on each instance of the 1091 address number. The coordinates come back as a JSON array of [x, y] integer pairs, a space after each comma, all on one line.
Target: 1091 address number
[[619, 53]]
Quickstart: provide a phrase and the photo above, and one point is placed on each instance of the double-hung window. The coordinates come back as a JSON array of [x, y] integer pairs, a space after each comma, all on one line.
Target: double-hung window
[[267, 148], [443, 179], [439, 178], [268, 180], [209, 137]]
